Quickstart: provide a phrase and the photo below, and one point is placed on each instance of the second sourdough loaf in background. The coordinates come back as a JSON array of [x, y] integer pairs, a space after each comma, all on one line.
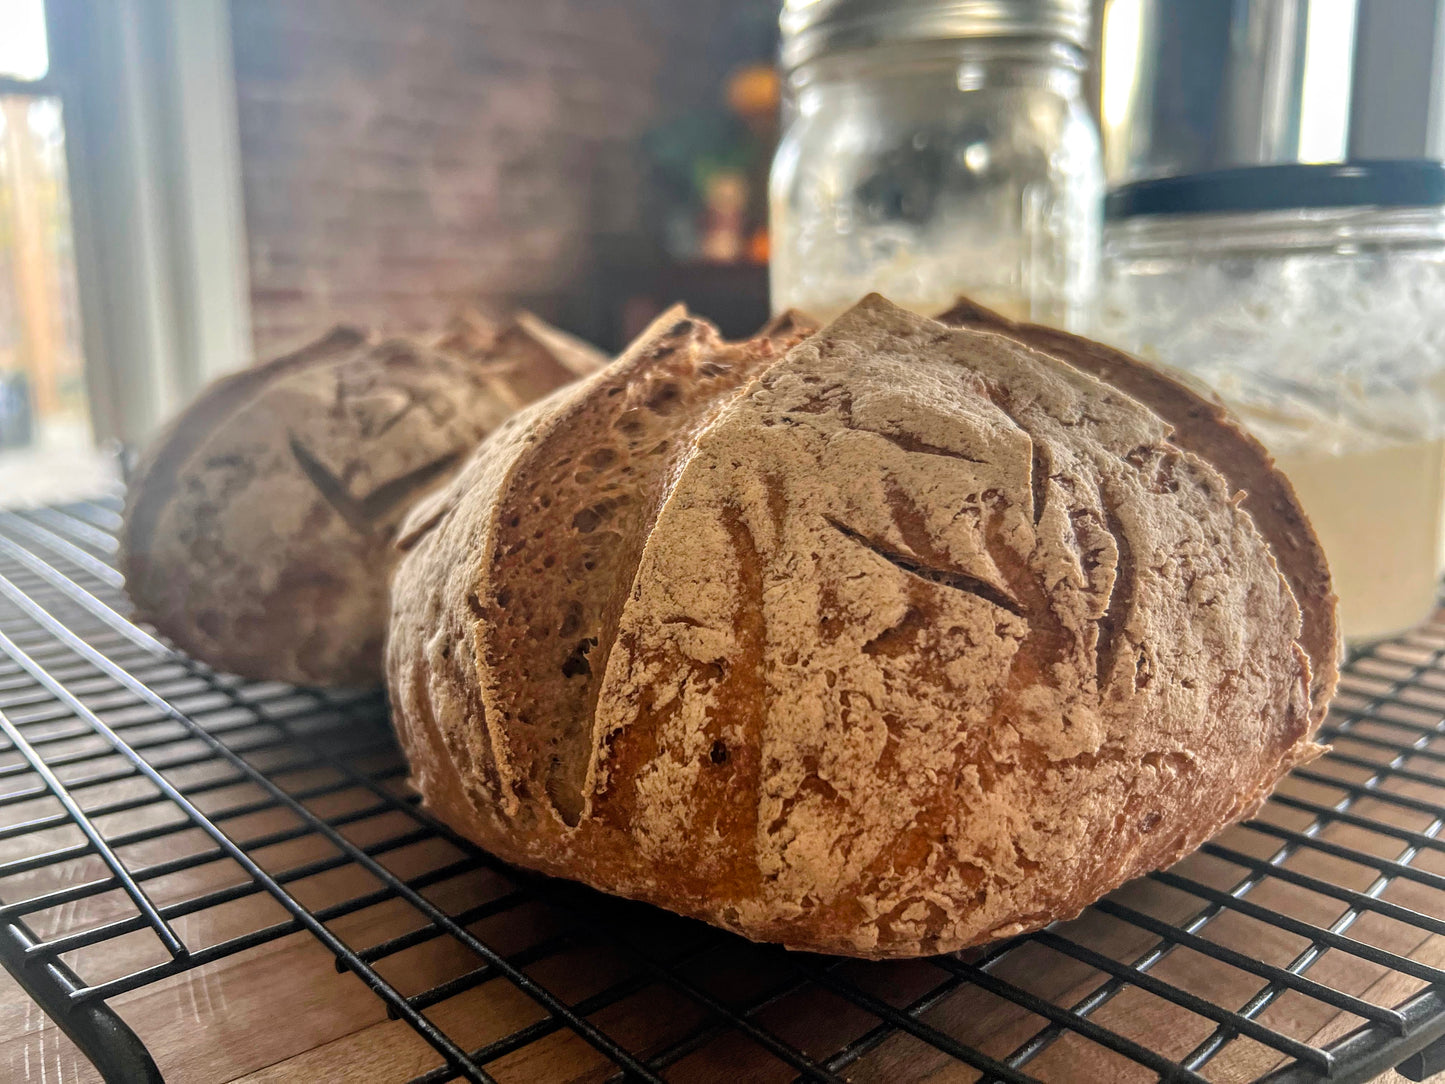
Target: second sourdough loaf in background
[[259, 525], [895, 642]]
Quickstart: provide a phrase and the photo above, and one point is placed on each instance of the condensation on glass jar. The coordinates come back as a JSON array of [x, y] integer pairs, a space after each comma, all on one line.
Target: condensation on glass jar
[[1311, 299], [936, 148]]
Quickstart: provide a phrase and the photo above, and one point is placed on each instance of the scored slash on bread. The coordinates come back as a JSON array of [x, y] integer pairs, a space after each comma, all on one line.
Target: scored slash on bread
[[259, 525], [597, 462], [363, 514], [1206, 429], [885, 639]]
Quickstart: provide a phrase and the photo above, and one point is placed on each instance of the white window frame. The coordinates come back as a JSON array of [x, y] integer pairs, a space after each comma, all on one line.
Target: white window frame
[[149, 98]]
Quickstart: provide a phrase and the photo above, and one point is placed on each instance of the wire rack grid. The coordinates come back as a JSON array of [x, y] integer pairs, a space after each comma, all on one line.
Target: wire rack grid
[[196, 871]]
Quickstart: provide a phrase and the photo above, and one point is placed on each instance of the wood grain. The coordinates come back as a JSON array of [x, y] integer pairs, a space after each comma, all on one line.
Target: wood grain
[[281, 1012]]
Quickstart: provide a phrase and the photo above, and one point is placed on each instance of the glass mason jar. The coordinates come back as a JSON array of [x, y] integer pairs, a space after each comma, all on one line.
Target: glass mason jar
[[936, 148], [1311, 299]]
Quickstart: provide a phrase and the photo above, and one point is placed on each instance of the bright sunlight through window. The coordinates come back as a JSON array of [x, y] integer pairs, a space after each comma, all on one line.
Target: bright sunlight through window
[[24, 52], [1123, 27], [1325, 94]]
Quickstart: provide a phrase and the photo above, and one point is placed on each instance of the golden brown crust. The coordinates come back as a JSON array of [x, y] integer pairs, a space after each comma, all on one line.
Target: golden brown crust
[[907, 639], [259, 526], [1206, 429]]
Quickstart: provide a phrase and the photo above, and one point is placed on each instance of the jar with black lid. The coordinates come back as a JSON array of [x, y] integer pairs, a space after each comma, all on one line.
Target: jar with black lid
[[1311, 298]]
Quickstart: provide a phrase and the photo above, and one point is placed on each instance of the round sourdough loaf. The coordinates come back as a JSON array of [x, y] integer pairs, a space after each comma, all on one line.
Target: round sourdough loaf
[[259, 527], [900, 640]]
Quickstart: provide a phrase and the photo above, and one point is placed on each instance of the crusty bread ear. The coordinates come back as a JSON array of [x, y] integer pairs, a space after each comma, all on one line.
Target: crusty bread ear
[[576, 356], [905, 639], [580, 502], [469, 333], [1206, 428], [789, 327], [524, 358]]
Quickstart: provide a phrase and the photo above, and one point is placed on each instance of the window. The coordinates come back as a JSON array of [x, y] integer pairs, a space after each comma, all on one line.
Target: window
[[45, 432], [39, 333], [24, 51], [123, 285]]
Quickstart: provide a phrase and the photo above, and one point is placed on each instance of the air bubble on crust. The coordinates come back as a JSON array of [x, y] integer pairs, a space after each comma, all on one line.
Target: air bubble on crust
[[589, 519], [577, 664]]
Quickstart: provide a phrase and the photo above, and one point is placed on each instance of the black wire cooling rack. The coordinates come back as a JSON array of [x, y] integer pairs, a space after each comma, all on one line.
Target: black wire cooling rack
[[184, 857]]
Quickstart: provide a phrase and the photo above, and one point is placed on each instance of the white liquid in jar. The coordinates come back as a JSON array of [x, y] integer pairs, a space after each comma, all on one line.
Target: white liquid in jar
[[1370, 475], [1377, 513]]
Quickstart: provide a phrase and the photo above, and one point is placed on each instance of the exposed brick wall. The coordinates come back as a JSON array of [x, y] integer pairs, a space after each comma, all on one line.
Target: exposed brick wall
[[400, 156]]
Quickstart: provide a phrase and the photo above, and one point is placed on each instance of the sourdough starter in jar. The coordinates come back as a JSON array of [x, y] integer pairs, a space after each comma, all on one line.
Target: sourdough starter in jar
[[937, 148], [1323, 328]]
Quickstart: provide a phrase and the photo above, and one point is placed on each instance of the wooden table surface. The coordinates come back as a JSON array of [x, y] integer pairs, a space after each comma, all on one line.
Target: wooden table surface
[[281, 1012]]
